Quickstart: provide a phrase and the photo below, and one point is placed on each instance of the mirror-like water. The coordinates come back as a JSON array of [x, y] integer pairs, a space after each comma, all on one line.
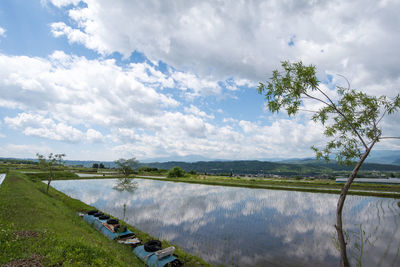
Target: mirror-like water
[[88, 174], [249, 227], [2, 176]]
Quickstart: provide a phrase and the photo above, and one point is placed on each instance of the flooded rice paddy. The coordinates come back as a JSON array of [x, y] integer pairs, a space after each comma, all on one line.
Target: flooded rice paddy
[[2, 176], [233, 226]]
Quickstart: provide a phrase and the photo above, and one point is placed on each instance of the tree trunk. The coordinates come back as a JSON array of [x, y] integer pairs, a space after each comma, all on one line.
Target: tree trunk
[[48, 183], [344, 262]]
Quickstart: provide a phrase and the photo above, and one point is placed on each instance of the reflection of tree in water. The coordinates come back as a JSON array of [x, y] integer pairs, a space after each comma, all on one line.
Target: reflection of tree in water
[[359, 239], [374, 238], [128, 185]]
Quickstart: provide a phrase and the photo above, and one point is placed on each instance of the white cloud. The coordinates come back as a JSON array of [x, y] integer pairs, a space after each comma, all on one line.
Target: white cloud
[[76, 90], [24, 150], [187, 81], [220, 46], [187, 135], [37, 125], [94, 136], [61, 3], [196, 111], [2, 32], [147, 74], [69, 98], [246, 40], [65, 98], [290, 137]]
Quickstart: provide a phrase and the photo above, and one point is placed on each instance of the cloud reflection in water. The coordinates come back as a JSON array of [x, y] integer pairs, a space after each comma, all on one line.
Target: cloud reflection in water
[[248, 227]]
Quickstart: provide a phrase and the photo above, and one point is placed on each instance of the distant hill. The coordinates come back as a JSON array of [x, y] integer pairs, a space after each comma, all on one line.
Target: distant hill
[[299, 161], [384, 157], [84, 163], [265, 167], [188, 158], [89, 163], [291, 167]]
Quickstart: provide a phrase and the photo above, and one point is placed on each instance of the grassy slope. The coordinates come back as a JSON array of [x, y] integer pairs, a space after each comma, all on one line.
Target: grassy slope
[[57, 175], [62, 236]]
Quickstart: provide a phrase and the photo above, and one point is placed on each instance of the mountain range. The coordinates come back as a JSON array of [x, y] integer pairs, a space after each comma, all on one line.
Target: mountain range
[[378, 161]]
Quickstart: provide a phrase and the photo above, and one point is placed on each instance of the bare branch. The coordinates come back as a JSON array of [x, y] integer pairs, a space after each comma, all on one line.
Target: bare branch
[[383, 115], [327, 97], [389, 137], [306, 110], [348, 83], [316, 98], [375, 128]]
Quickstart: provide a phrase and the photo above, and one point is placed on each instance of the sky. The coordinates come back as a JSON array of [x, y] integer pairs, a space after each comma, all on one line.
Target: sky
[[102, 80]]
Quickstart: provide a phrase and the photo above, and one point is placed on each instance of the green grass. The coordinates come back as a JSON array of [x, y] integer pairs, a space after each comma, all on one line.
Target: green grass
[[56, 235], [58, 175]]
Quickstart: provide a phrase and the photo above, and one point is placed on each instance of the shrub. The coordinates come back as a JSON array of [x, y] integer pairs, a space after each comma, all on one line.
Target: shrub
[[175, 172]]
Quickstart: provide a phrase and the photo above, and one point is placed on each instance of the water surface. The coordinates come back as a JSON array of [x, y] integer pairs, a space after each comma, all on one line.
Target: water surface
[[2, 176], [249, 227], [88, 174]]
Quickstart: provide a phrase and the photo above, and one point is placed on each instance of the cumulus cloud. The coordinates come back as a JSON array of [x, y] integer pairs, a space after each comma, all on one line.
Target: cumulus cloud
[[69, 98], [37, 125], [186, 81], [22, 150], [196, 111], [246, 40], [290, 137], [211, 49], [94, 136], [2, 31], [61, 3], [78, 90]]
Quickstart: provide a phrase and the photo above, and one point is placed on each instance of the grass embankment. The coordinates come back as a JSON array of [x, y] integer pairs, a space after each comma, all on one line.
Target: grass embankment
[[317, 186], [58, 175], [39, 227]]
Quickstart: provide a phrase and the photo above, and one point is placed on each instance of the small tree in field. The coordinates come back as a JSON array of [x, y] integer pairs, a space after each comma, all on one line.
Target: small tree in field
[[175, 172], [49, 164], [351, 122], [126, 166]]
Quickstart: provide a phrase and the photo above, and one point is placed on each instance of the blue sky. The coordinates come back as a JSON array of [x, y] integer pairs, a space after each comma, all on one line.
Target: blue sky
[[101, 80]]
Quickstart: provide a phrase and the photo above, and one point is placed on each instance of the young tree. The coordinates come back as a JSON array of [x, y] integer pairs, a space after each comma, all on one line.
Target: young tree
[[351, 120], [95, 165], [175, 172], [126, 166], [49, 164]]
